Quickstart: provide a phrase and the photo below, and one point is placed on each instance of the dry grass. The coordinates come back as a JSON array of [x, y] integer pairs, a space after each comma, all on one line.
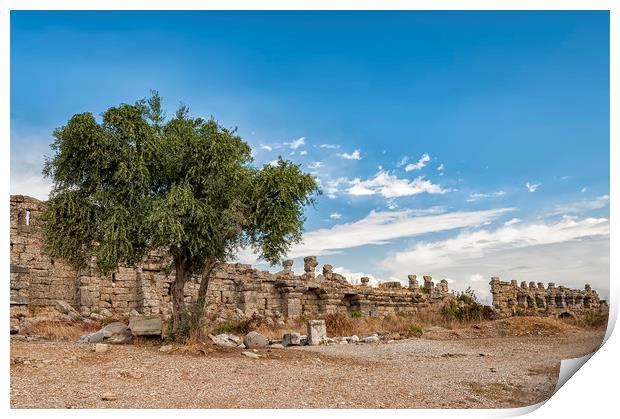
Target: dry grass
[[338, 324], [60, 329]]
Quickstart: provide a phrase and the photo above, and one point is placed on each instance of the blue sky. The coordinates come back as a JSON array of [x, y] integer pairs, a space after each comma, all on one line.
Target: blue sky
[[458, 144]]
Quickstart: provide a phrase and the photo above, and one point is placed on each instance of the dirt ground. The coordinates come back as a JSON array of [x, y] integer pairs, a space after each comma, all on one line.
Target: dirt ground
[[444, 369]]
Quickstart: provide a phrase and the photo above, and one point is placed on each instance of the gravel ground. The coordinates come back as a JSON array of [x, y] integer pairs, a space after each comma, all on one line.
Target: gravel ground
[[417, 373]]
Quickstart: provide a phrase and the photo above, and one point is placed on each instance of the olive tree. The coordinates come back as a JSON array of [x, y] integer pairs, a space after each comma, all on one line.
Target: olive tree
[[136, 182]]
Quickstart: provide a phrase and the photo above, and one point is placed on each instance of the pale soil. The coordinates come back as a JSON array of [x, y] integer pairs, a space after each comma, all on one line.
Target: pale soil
[[417, 373]]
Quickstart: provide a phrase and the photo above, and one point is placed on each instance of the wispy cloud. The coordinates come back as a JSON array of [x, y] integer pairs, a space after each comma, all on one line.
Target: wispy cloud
[[335, 216], [476, 196], [541, 252], [297, 143], [329, 146], [440, 167], [512, 222], [420, 164], [315, 165], [303, 152], [388, 185], [581, 206], [266, 147], [532, 187], [381, 227], [354, 277], [355, 155]]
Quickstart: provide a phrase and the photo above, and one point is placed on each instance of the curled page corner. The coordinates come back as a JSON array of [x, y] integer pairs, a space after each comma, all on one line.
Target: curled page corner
[[568, 367]]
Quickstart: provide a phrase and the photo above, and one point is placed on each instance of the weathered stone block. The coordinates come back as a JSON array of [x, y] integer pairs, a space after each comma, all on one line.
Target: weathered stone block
[[145, 325], [317, 332]]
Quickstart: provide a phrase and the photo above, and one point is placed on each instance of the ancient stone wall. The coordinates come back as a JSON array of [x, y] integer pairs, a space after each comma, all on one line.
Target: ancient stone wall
[[37, 280], [534, 298]]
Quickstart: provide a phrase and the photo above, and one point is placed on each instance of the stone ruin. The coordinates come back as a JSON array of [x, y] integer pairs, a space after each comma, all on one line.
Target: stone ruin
[[39, 281], [534, 298]]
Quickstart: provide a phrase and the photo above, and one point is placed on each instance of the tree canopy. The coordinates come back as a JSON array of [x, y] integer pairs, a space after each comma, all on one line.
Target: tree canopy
[[136, 182]]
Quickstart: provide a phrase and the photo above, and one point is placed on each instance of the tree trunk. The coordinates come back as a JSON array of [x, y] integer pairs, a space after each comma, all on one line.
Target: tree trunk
[[182, 265], [204, 281]]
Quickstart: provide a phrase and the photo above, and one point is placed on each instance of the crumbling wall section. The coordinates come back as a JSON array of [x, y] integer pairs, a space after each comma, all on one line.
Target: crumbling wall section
[[534, 298], [38, 280]]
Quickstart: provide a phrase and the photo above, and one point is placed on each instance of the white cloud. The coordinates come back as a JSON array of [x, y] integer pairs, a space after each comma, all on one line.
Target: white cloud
[[440, 167], [532, 187], [402, 161], [31, 184], [335, 216], [581, 206], [332, 189], [315, 165], [266, 147], [381, 227], [297, 143], [273, 163], [420, 164], [356, 155], [512, 221], [476, 278], [388, 185], [584, 189], [567, 252], [303, 152], [476, 196], [354, 277], [330, 146]]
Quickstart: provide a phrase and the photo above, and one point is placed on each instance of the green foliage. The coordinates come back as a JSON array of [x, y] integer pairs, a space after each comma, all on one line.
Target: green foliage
[[466, 312], [356, 314], [189, 321], [594, 320], [415, 330], [135, 181], [518, 311], [233, 328], [468, 296]]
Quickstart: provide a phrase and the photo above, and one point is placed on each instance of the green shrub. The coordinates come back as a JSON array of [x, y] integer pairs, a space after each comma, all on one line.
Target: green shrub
[[356, 314], [594, 320], [189, 321], [415, 330]]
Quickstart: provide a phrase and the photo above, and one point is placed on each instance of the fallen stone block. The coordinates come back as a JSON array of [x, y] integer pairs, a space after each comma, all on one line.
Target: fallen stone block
[[371, 339], [145, 325], [94, 337], [225, 340], [255, 340], [291, 339]]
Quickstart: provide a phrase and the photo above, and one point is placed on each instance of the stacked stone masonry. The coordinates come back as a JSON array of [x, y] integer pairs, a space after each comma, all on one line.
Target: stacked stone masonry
[[534, 298], [39, 281]]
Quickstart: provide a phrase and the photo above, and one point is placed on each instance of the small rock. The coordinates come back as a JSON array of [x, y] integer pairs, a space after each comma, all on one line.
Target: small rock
[[371, 339], [109, 397], [101, 347], [276, 346], [250, 354], [353, 339], [94, 337], [68, 311], [165, 348], [96, 316], [493, 369]]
